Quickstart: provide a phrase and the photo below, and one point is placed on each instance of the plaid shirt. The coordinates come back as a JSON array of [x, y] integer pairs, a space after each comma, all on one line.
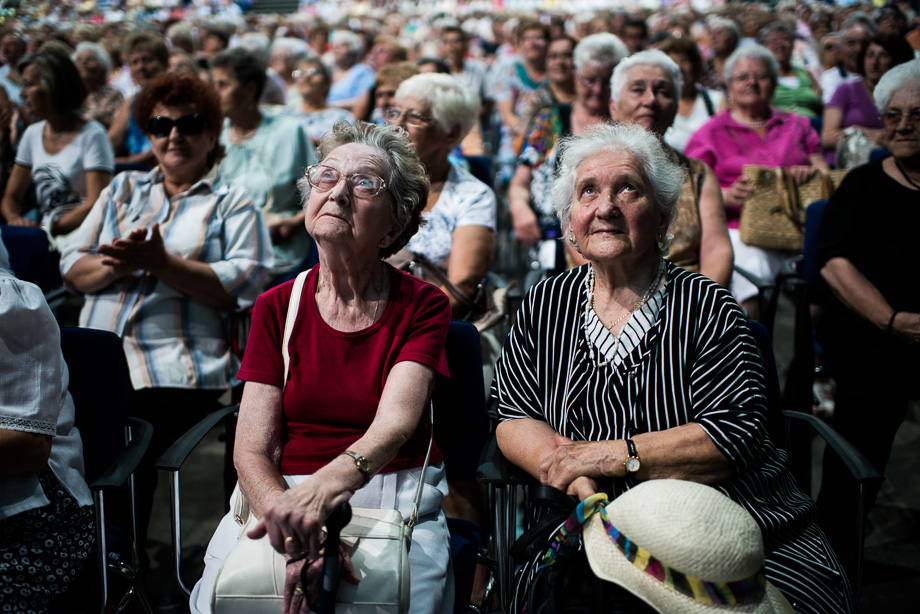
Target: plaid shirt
[[170, 339]]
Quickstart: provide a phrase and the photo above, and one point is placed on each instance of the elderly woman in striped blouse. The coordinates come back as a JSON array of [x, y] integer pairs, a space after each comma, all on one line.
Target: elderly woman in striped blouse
[[164, 256], [629, 369]]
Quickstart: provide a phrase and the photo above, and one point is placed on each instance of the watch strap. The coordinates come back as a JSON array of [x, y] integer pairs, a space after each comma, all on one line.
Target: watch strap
[[361, 464], [631, 448]]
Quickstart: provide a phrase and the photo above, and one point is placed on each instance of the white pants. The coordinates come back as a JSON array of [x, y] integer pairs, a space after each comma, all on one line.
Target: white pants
[[762, 262], [432, 584]]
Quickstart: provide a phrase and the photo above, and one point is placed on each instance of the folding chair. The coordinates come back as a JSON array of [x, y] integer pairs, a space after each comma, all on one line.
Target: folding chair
[[113, 445]]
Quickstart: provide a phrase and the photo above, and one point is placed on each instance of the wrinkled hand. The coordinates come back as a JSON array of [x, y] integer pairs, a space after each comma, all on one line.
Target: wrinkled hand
[[739, 191], [572, 466], [295, 602], [20, 221], [136, 252], [907, 325], [526, 227], [801, 174]]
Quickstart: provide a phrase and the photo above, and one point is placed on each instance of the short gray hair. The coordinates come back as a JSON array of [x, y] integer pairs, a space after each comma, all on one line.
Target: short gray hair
[[452, 103], [296, 48], [652, 57], [716, 22], [603, 49], [406, 181], [354, 42], [102, 56], [665, 178], [752, 52], [897, 78]]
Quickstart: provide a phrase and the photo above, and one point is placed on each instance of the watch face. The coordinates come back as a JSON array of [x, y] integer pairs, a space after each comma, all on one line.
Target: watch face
[[363, 465], [632, 465]]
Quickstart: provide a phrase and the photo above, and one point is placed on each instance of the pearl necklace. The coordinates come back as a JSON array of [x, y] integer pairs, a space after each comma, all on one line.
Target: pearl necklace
[[759, 124], [648, 295]]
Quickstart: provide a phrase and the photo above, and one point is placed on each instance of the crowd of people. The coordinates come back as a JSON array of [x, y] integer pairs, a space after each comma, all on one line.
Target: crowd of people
[[188, 160]]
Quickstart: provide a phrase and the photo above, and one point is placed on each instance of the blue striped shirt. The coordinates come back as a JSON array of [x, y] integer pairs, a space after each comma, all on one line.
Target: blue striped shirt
[[170, 339]]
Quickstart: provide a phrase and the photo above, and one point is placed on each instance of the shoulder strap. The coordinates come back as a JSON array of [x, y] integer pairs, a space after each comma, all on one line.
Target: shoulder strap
[[707, 100], [293, 307]]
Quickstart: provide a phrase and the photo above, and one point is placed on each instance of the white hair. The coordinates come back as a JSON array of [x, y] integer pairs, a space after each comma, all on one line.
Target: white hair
[[652, 57], [257, 43], [296, 48], [348, 37], [898, 78], [664, 178], [721, 23], [102, 56], [452, 103], [752, 52], [603, 49]]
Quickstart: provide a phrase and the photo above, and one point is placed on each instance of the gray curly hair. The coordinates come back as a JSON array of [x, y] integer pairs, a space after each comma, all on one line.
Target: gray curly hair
[[665, 178], [406, 181]]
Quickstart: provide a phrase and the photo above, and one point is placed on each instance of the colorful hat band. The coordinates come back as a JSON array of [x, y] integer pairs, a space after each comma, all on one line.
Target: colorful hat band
[[567, 539]]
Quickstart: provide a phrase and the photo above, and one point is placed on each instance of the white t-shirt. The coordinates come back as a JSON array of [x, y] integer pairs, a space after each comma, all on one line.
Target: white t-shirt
[[464, 201], [60, 179], [684, 127]]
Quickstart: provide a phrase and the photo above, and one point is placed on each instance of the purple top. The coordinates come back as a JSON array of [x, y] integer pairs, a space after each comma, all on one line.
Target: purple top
[[858, 108], [727, 146]]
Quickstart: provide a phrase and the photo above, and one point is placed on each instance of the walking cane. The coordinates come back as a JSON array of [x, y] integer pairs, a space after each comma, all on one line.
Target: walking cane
[[332, 562]]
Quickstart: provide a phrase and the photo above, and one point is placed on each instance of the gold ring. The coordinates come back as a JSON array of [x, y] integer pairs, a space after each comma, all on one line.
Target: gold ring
[[289, 539], [298, 590]]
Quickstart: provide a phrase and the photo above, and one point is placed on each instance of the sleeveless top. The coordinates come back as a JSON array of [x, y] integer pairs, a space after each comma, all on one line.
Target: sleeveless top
[[800, 99]]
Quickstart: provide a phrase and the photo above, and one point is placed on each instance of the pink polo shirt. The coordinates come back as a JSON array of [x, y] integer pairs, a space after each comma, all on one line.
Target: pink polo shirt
[[727, 146]]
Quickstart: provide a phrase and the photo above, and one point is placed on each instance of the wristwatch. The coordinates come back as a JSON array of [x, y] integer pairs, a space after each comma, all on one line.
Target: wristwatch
[[632, 463], [361, 465]]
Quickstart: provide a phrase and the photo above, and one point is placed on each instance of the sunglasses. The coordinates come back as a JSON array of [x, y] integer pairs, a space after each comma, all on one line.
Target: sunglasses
[[188, 125]]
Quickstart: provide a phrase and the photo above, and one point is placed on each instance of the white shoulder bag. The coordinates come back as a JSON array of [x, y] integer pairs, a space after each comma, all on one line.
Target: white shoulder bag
[[251, 578]]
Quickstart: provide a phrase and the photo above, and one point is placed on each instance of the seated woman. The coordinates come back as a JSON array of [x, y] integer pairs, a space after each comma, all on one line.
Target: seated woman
[[162, 258], [266, 154], [528, 195], [68, 158], [797, 91], [644, 92], [351, 81], [147, 56], [697, 104], [753, 132], [95, 66], [630, 369], [459, 232], [317, 118], [876, 313], [379, 335], [852, 107], [559, 89], [46, 511]]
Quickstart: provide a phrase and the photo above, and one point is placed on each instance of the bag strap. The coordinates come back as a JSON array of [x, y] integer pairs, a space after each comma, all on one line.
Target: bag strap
[[461, 296], [293, 308]]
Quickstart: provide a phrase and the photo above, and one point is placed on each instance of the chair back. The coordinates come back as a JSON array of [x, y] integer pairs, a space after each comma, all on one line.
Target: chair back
[[818, 290], [98, 384], [460, 423], [481, 169], [30, 256]]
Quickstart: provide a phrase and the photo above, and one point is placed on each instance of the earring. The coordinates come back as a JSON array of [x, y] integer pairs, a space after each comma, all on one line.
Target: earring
[[571, 240]]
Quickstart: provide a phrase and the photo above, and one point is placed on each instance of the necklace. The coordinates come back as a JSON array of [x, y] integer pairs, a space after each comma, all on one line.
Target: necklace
[[909, 180], [648, 294], [759, 124]]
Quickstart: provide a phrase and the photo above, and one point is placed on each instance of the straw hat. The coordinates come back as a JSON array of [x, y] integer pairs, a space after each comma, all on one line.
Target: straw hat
[[685, 539]]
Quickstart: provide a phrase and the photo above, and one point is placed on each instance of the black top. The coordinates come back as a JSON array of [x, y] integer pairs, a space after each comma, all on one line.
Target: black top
[[871, 220]]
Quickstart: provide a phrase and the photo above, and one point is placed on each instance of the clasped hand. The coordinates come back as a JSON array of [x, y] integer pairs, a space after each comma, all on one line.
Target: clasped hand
[[573, 466], [135, 252], [293, 522]]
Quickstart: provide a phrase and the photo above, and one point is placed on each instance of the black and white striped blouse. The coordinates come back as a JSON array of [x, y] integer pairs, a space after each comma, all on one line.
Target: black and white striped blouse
[[687, 356]]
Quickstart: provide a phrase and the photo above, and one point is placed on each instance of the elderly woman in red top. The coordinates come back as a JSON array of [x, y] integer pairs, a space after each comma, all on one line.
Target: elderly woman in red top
[[366, 345]]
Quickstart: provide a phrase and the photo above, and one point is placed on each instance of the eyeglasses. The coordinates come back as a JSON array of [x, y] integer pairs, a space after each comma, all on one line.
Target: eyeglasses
[[759, 76], [411, 118], [592, 82], [189, 125], [893, 118], [362, 185], [309, 72]]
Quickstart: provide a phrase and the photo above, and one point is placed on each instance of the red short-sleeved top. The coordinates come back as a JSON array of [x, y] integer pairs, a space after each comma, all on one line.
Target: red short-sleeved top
[[336, 378]]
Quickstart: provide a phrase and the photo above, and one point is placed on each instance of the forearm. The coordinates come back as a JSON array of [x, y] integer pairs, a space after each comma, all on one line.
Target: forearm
[[260, 480], [71, 220], [506, 111], [194, 279], [89, 275], [856, 292], [681, 453], [23, 453], [526, 442]]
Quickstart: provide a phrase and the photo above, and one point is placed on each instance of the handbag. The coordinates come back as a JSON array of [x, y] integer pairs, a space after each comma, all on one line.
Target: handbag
[[251, 578], [854, 148], [773, 217]]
